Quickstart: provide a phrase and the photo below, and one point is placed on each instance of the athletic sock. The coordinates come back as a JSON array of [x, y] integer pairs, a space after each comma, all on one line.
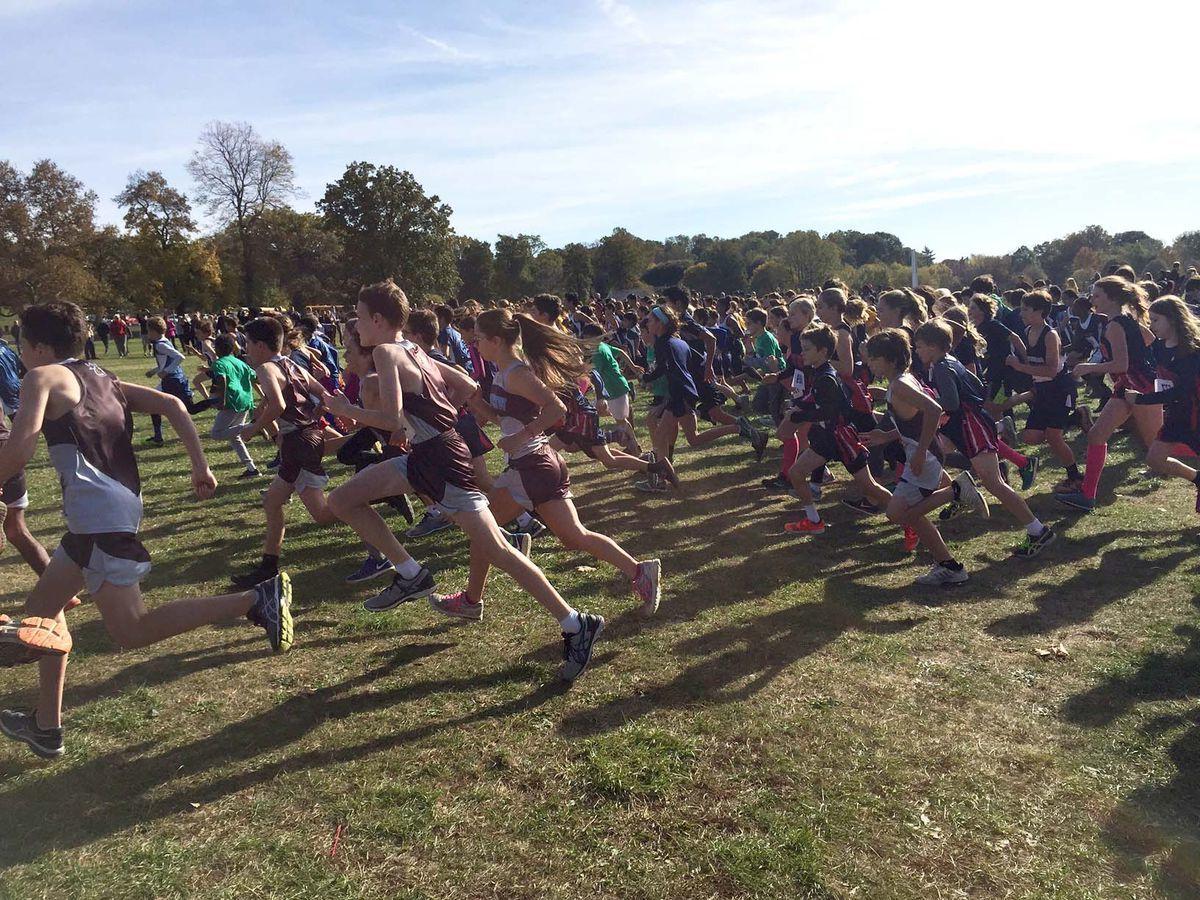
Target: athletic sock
[[1073, 473], [811, 511], [1096, 455], [410, 568], [270, 563], [1034, 528], [1008, 453], [524, 519], [571, 624]]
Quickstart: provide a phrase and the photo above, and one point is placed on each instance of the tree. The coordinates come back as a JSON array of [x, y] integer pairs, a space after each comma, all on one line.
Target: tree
[[155, 209], [577, 270], [772, 275], [810, 256], [698, 278], [46, 224], [1186, 248], [300, 257], [726, 271], [474, 260], [1057, 256], [239, 176], [665, 274], [389, 228], [548, 272], [619, 259], [513, 271], [859, 249], [925, 257]]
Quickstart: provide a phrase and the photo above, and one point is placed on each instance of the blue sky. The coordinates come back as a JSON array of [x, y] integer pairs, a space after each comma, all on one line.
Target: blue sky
[[967, 127]]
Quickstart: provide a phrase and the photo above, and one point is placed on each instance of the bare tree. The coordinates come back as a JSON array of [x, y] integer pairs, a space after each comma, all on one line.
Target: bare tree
[[239, 176]]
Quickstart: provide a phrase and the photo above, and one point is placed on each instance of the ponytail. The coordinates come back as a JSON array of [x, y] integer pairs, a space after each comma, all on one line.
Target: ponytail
[[555, 357]]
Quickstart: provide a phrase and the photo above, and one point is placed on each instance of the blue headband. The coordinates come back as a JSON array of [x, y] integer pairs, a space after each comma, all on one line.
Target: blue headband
[[660, 315]]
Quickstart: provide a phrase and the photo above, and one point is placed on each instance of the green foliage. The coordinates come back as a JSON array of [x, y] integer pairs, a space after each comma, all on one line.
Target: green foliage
[[389, 228], [665, 274], [475, 262], [726, 269], [618, 260], [772, 275], [811, 257], [513, 274], [859, 249], [577, 269]]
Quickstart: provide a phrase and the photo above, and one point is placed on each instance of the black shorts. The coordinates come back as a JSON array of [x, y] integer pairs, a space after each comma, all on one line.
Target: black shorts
[[1052, 406], [13, 492], [710, 398], [300, 454], [838, 444], [1175, 433]]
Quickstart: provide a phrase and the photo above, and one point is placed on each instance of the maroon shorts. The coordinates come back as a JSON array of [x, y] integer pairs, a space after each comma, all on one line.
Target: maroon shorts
[[300, 452], [440, 468], [536, 478], [972, 431]]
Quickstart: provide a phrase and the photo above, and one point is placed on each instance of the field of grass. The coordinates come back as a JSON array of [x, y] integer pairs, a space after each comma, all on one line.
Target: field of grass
[[798, 721]]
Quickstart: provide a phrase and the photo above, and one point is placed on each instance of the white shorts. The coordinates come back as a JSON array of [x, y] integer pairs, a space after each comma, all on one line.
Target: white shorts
[[619, 407]]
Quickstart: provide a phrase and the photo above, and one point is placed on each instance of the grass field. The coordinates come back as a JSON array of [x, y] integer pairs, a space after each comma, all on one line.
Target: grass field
[[798, 721]]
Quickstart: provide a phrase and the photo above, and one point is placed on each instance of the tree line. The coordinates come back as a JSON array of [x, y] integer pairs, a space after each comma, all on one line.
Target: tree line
[[376, 221]]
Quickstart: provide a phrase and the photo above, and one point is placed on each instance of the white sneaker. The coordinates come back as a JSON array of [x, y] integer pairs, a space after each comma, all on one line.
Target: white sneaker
[[969, 495], [940, 576]]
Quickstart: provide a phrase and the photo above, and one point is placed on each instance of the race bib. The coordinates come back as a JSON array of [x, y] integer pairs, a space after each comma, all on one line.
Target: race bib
[[798, 382], [1162, 384]]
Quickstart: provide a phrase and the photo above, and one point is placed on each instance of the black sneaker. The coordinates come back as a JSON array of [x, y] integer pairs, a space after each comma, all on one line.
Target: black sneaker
[[1032, 546], [863, 506], [535, 528], [272, 611], [577, 648], [402, 590], [250, 473], [664, 469], [254, 577], [759, 441], [156, 441], [274, 464], [45, 742], [777, 484]]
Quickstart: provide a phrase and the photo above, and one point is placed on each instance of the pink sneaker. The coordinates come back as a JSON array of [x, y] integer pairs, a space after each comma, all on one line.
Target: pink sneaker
[[457, 605], [647, 585]]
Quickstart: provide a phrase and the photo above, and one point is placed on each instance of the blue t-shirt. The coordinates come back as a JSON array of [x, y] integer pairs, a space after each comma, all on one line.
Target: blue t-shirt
[[10, 378], [450, 338], [328, 355]]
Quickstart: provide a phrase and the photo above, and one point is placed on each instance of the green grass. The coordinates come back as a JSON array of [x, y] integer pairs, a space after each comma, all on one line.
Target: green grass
[[798, 720]]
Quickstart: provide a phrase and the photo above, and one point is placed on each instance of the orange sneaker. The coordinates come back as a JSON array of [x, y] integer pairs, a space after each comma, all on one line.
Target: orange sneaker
[[32, 638], [911, 539], [805, 526]]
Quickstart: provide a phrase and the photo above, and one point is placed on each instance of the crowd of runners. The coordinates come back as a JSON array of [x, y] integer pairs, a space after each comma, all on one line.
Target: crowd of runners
[[915, 394]]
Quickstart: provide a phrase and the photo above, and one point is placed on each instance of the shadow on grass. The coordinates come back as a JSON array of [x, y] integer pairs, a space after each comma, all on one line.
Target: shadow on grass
[[108, 794], [1159, 821]]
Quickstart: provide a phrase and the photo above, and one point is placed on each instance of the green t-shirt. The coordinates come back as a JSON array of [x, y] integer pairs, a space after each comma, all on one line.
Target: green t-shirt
[[604, 361], [766, 346], [239, 379]]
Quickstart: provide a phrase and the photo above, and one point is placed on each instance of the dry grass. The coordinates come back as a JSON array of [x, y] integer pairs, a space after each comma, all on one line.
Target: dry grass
[[798, 721]]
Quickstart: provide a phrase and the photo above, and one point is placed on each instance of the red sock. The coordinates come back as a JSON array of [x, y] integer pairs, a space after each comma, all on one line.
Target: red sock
[[1096, 455], [1008, 453], [791, 452]]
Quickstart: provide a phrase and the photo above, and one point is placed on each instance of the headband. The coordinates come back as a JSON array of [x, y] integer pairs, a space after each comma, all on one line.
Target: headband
[[658, 313]]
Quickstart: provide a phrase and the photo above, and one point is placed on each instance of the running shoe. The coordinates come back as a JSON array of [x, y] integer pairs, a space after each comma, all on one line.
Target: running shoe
[[952, 510], [940, 576], [535, 529], [1032, 546], [431, 523], [250, 473], [1076, 500], [274, 464], [519, 541], [759, 441], [861, 505], [1028, 472], [401, 590], [652, 486], [577, 647], [969, 495], [777, 484], [745, 428], [457, 605], [372, 567], [25, 641], [647, 585], [663, 468], [20, 726], [1008, 430], [156, 441], [255, 576], [911, 539], [805, 526], [272, 611]]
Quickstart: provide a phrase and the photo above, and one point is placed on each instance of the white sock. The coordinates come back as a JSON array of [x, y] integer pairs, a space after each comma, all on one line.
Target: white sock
[[524, 519], [811, 512], [571, 624], [410, 568], [1035, 527]]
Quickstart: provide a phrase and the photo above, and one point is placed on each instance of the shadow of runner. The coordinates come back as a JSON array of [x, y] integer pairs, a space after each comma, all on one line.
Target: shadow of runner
[[1159, 819], [80, 806]]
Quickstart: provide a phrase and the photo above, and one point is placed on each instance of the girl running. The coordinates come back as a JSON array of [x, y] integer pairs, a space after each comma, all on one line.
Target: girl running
[[1126, 350], [523, 401], [1177, 389]]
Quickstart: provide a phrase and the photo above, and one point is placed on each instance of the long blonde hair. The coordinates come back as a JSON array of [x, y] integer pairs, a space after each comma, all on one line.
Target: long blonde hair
[[555, 357]]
